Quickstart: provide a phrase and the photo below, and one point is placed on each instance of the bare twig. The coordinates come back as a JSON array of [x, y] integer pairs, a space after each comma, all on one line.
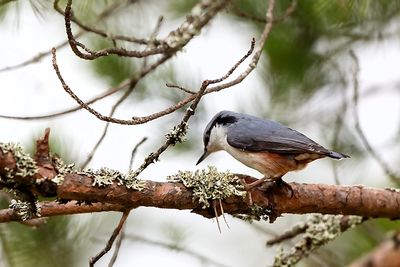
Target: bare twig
[[112, 37], [182, 249], [107, 93], [122, 234], [132, 84], [388, 171], [105, 13], [153, 36], [177, 39], [118, 243], [296, 230], [257, 51], [180, 88], [134, 151], [117, 230], [181, 128], [74, 44], [36, 58]]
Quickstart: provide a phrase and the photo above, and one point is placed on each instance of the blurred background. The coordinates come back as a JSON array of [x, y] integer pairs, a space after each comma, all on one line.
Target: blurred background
[[305, 79]]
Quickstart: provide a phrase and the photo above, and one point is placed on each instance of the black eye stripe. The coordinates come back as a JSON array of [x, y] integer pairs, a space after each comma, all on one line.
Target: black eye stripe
[[225, 119], [222, 119]]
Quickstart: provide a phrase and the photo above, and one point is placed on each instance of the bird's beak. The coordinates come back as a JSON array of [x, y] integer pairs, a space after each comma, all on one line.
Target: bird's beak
[[205, 155]]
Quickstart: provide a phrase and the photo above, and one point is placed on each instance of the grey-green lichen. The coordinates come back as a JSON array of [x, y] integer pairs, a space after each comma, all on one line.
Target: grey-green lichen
[[106, 176], [24, 209], [177, 134], [209, 184], [256, 213], [25, 165], [130, 181], [62, 169], [320, 229]]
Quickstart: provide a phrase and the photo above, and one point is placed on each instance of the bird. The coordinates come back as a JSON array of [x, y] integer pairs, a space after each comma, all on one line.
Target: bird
[[267, 146]]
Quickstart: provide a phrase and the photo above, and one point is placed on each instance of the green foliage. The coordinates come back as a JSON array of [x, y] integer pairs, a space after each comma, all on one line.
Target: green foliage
[[181, 7], [59, 242], [113, 69], [298, 67]]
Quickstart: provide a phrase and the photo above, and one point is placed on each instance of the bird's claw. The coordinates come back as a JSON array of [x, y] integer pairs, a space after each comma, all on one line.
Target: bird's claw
[[278, 184]]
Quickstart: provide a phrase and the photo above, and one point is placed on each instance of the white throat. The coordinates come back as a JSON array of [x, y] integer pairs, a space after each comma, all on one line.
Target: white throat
[[217, 139]]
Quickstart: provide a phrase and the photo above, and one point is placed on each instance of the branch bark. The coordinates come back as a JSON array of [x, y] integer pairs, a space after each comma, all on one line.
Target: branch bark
[[307, 198]]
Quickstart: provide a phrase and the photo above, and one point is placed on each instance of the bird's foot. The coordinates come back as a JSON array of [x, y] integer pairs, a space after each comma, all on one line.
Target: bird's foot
[[277, 184]]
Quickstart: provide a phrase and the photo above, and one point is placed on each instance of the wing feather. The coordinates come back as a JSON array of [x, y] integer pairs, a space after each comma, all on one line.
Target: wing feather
[[256, 135]]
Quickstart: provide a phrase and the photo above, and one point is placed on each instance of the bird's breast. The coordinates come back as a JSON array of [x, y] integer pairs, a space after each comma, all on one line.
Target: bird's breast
[[271, 165]]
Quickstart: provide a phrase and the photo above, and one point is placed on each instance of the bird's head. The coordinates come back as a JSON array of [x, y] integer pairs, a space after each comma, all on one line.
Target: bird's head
[[214, 136]]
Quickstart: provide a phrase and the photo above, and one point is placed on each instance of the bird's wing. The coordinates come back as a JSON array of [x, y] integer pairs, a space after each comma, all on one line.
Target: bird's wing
[[254, 134]]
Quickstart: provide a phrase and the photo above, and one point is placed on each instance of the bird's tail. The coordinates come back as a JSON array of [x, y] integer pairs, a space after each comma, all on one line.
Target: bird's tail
[[337, 155]]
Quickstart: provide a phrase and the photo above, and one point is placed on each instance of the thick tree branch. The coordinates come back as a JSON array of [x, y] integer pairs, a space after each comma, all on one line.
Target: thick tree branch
[[307, 198]]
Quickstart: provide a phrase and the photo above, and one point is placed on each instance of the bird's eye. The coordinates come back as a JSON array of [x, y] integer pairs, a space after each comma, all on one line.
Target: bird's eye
[[226, 120]]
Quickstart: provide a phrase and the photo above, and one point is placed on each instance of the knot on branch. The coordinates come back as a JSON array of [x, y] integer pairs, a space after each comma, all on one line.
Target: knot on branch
[[209, 184]]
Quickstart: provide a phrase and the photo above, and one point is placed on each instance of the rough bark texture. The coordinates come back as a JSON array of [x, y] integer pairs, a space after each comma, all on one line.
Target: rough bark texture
[[306, 198]]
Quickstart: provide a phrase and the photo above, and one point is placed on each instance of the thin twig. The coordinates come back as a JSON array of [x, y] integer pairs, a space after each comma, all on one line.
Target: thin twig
[[137, 120], [201, 14], [90, 54], [180, 88], [209, 12], [113, 37], [132, 83], [391, 174], [192, 253], [295, 231], [109, 92], [93, 260], [118, 243], [134, 151], [181, 128], [257, 52], [37, 58], [122, 234], [153, 36]]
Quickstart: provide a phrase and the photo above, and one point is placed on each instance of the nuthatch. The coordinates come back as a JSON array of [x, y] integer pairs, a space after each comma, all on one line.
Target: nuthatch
[[267, 146]]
